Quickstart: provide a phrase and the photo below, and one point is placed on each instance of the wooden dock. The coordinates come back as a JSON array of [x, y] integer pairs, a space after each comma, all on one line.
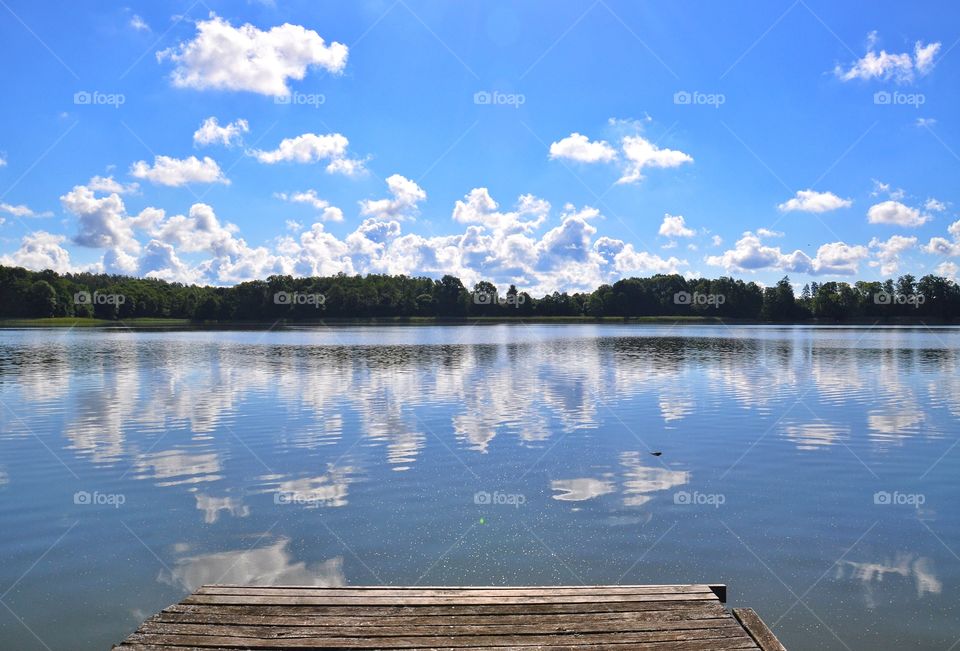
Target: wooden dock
[[646, 617]]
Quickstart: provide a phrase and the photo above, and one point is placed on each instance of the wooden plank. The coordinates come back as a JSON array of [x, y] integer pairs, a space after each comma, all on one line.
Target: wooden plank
[[215, 616], [453, 592], [414, 642], [757, 629], [685, 645], [433, 601], [445, 609], [402, 629], [526, 618]]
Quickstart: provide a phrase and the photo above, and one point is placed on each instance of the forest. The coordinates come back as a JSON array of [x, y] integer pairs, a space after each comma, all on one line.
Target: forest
[[43, 294]]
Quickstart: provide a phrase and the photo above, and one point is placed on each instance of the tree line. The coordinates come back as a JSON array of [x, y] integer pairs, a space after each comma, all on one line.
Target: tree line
[[30, 294]]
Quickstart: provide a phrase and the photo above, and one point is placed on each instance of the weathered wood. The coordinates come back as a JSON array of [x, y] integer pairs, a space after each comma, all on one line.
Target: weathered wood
[[759, 631], [644, 617]]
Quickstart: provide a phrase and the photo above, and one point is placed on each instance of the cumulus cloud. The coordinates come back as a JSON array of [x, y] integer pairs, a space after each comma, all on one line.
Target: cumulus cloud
[[896, 213], [949, 270], [888, 252], [313, 148], [406, 194], [247, 58], [751, 254], [103, 221], [328, 213], [22, 210], [944, 247], [109, 185], [813, 201], [211, 133], [175, 172], [640, 153], [478, 207], [934, 205], [675, 226], [579, 148], [40, 250], [901, 68], [3, 160]]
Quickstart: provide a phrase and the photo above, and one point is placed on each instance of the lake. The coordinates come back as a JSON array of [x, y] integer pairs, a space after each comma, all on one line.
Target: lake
[[812, 469]]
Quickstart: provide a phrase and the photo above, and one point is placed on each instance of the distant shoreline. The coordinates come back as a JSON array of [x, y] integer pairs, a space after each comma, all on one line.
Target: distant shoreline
[[187, 324]]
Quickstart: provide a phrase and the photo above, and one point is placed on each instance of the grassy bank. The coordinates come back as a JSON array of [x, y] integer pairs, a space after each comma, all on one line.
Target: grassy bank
[[161, 323]]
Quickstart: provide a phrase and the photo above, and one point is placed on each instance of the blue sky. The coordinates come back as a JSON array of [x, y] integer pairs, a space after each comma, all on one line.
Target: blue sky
[[551, 145]]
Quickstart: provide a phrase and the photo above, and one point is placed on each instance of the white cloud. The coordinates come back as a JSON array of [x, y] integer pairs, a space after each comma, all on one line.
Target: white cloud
[[675, 226], [716, 240], [312, 148], [750, 254], [179, 171], [22, 211], [38, 251], [896, 213], [579, 148], [211, 133], [109, 185], [328, 213], [888, 253], [934, 205], [641, 153], [944, 247], [3, 160], [813, 201], [103, 221], [901, 68], [949, 270], [403, 204], [884, 188], [766, 232], [250, 59], [925, 122], [478, 207], [139, 24]]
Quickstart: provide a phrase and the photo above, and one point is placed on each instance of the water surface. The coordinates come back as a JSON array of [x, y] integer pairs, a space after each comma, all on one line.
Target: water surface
[[811, 469]]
